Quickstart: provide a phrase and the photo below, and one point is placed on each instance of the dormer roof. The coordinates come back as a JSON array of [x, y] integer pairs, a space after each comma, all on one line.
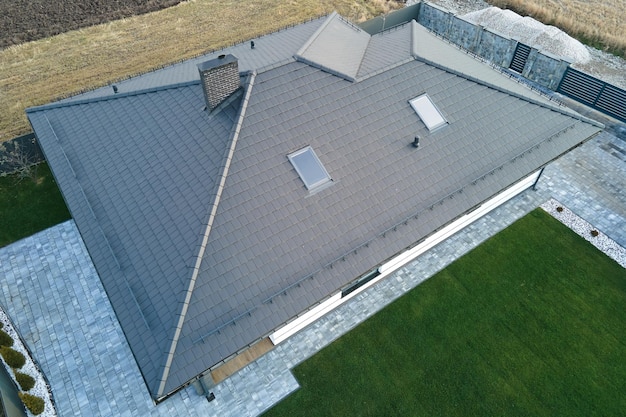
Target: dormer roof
[[338, 46]]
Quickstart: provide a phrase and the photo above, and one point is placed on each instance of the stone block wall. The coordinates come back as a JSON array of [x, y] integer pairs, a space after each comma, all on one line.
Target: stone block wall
[[542, 68], [545, 69], [495, 48]]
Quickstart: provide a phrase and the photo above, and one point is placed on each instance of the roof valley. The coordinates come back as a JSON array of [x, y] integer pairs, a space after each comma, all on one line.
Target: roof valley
[[205, 238], [358, 71]]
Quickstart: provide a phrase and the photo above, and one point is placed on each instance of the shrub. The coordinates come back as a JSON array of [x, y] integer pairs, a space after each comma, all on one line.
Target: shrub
[[5, 339], [34, 404], [12, 357], [559, 209], [26, 381], [594, 233]]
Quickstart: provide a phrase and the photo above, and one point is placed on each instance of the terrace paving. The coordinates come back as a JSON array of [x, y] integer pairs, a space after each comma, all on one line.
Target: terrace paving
[[51, 291]]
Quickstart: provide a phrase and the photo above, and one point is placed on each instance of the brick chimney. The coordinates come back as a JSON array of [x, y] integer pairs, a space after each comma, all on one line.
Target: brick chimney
[[220, 79]]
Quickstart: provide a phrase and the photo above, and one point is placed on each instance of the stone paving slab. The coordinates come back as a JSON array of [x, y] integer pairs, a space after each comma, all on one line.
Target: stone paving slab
[[52, 292], [591, 181], [54, 297]]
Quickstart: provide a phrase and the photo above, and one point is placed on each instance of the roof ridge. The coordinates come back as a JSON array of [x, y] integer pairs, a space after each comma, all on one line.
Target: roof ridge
[[315, 34], [369, 41], [62, 104], [212, 213]]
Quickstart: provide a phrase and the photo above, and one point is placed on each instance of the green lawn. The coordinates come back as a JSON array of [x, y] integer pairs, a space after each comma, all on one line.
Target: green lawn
[[27, 206], [530, 323]]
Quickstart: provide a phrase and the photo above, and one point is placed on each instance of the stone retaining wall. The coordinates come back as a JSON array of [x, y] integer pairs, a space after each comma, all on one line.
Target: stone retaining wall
[[542, 68]]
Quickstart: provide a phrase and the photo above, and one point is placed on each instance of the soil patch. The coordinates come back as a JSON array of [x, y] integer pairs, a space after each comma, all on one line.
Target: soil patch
[[28, 20]]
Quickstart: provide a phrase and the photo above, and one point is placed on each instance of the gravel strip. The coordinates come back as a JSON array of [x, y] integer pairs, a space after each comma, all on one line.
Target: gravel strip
[[41, 388], [586, 231]]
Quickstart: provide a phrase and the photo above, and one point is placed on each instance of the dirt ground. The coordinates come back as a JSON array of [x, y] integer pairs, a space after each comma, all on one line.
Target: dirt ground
[[28, 20]]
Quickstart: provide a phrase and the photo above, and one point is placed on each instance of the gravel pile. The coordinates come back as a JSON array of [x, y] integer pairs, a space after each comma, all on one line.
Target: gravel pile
[[530, 32], [586, 230]]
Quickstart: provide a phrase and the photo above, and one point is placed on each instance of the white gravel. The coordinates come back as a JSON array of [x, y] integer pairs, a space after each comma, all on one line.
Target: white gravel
[[41, 388], [531, 32], [584, 229]]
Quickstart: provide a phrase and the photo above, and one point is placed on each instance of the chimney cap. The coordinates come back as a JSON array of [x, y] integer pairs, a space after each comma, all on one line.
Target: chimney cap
[[217, 62]]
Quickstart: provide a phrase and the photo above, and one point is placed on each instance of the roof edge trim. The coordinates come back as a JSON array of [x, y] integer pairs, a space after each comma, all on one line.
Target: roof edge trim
[[275, 65], [205, 237], [326, 69], [414, 40], [385, 69], [62, 104]]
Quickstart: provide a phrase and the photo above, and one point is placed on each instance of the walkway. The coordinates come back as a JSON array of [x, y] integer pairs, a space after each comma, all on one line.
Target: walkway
[[52, 292]]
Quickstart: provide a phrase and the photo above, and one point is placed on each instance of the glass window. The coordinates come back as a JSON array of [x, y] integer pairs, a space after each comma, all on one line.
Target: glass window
[[426, 110], [309, 167]]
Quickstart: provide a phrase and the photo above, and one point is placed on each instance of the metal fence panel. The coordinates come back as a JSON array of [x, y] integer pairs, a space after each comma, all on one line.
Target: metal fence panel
[[596, 93]]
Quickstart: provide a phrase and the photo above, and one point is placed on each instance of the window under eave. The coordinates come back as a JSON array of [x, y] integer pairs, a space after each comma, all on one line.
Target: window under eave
[[428, 112]]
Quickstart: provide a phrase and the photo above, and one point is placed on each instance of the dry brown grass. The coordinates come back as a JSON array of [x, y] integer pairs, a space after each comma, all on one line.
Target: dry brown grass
[[599, 23], [38, 72]]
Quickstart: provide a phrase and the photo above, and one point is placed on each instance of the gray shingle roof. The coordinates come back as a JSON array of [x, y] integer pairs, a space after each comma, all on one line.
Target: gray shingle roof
[[133, 157], [150, 175]]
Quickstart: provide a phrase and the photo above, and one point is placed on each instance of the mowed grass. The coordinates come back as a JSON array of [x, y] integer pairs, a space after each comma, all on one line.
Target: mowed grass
[[27, 206], [530, 323], [38, 72], [599, 23]]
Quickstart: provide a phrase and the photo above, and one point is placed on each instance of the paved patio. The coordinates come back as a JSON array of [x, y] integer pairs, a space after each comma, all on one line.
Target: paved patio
[[52, 292]]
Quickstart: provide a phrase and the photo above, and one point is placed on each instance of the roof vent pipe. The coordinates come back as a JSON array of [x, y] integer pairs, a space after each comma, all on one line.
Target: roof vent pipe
[[416, 142], [220, 79]]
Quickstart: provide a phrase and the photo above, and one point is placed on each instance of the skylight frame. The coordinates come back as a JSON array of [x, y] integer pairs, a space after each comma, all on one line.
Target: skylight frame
[[428, 112], [310, 168]]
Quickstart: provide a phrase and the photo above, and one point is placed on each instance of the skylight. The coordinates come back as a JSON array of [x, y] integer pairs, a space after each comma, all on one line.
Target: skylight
[[426, 110], [309, 167]]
